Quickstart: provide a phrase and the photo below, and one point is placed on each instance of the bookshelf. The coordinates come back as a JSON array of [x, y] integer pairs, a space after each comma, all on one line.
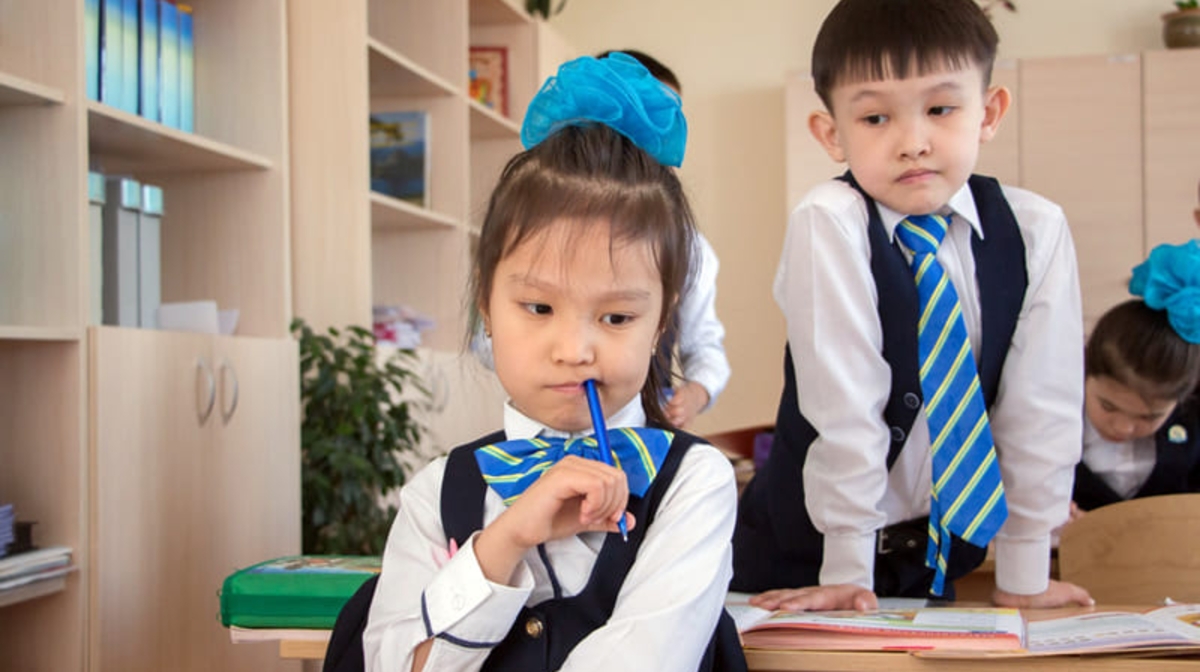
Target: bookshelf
[[353, 248], [101, 442]]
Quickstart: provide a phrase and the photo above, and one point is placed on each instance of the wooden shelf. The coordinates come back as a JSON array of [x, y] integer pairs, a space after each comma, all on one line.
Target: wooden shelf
[[393, 74], [16, 91], [487, 124], [32, 591], [39, 333], [494, 12], [393, 213], [126, 142]]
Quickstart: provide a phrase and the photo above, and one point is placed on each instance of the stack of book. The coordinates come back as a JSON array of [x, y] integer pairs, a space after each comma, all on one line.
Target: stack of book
[[6, 528], [43, 568]]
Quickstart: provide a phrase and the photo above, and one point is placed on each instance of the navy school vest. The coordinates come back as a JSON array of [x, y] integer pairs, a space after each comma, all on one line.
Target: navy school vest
[[1176, 463], [543, 635], [775, 544]]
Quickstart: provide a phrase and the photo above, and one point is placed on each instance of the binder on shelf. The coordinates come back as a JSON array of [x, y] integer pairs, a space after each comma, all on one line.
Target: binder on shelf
[[129, 56], [150, 256], [112, 47], [168, 63], [91, 47], [95, 248], [187, 71], [148, 59], [120, 283], [400, 155]]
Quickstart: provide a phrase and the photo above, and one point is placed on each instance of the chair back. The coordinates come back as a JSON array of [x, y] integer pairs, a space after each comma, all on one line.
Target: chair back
[[1136, 552]]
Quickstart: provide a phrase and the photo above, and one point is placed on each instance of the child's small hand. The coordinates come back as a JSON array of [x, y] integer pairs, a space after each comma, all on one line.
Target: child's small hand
[[576, 495], [818, 598], [1058, 594], [686, 403]]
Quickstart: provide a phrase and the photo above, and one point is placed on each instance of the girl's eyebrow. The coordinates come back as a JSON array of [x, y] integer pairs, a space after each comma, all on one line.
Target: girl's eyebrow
[[613, 295]]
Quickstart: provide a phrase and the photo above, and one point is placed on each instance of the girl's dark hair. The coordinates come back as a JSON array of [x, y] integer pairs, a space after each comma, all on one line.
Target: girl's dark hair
[[1136, 346], [871, 40], [590, 174]]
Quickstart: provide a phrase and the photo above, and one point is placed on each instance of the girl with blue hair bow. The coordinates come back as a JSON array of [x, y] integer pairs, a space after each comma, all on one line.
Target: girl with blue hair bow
[[504, 554], [1142, 362]]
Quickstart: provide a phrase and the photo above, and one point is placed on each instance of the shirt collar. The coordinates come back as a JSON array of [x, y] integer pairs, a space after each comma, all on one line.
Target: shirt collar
[[517, 425], [961, 205]]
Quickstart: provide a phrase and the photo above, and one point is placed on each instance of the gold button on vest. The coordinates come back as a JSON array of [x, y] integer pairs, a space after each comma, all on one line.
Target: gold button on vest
[[534, 627]]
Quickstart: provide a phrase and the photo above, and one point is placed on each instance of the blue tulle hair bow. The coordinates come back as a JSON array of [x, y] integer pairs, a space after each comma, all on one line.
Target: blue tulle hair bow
[[1170, 280], [616, 91]]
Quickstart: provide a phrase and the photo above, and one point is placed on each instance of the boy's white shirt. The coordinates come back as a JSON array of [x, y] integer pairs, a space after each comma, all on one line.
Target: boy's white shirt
[[665, 613], [825, 288]]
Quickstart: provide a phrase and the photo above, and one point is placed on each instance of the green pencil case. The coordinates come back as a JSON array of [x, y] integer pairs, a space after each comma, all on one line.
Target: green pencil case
[[298, 591]]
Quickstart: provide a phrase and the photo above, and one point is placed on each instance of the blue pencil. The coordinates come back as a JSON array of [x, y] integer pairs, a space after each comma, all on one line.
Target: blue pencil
[[602, 439]]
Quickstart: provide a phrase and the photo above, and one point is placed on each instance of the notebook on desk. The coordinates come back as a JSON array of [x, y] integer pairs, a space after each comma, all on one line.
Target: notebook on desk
[[301, 591]]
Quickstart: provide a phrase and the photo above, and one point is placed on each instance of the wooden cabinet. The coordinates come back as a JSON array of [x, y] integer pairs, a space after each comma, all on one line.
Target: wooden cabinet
[[1081, 147], [100, 439], [353, 248], [1114, 140], [196, 474]]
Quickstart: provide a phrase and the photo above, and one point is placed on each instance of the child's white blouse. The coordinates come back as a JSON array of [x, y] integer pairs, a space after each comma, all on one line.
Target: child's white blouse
[[665, 613]]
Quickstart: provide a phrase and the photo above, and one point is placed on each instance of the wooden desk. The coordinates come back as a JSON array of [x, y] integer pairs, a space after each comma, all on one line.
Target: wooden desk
[[770, 660]]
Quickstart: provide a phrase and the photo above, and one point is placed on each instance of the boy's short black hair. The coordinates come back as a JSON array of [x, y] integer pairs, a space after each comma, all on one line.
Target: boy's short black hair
[[661, 72], [868, 40]]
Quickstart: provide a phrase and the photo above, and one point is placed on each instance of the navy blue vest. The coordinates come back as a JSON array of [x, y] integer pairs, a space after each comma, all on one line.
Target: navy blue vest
[[775, 544], [543, 635], [1176, 465]]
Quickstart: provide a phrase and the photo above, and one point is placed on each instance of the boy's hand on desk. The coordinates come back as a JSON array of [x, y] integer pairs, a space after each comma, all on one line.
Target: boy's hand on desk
[[818, 598], [1059, 594]]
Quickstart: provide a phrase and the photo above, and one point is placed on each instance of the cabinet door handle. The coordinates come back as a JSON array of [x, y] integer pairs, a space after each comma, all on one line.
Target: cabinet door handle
[[227, 411], [206, 390]]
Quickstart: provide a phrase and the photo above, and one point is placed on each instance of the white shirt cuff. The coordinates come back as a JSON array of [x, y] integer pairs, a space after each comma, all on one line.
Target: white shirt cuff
[[462, 603], [849, 558], [1023, 565]]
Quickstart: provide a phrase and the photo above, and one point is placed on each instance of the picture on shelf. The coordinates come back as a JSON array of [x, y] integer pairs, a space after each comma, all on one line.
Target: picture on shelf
[[489, 77], [400, 155]]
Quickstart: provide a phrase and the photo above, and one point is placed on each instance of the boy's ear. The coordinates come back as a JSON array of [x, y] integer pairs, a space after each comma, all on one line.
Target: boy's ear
[[824, 129], [996, 101]]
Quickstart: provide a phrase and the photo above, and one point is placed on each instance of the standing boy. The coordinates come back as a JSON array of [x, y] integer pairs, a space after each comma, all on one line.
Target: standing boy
[[933, 377]]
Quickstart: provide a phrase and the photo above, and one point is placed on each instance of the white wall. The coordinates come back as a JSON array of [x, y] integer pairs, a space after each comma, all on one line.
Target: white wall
[[732, 58]]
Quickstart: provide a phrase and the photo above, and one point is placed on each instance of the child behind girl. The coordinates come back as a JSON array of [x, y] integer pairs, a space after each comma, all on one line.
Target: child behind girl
[[583, 252], [1141, 417]]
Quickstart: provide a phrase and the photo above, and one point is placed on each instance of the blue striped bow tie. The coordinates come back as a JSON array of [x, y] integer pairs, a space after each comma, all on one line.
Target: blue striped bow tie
[[509, 467], [967, 496]]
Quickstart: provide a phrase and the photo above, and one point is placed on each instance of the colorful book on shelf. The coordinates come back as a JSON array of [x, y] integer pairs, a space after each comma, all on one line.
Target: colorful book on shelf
[[91, 50], [300, 591], [400, 155], [129, 56], [112, 50], [488, 77], [31, 563], [187, 70], [168, 64], [7, 520], [148, 103]]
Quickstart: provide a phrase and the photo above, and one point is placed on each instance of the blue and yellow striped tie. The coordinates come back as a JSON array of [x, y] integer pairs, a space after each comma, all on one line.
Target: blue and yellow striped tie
[[509, 467], [968, 495]]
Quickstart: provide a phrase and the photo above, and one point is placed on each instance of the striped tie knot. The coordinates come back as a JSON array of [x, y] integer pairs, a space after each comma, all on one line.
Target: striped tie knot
[[510, 467], [922, 234]]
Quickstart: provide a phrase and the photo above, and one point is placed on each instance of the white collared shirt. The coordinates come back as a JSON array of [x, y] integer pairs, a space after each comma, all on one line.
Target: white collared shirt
[[1124, 466], [827, 293], [664, 615]]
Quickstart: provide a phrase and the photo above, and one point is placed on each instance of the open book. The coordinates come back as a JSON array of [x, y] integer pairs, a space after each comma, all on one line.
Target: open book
[[912, 629], [950, 632]]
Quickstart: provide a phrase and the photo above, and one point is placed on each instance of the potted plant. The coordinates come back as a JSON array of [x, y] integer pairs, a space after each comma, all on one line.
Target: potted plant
[[1181, 28], [358, 423], [543, 7]]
